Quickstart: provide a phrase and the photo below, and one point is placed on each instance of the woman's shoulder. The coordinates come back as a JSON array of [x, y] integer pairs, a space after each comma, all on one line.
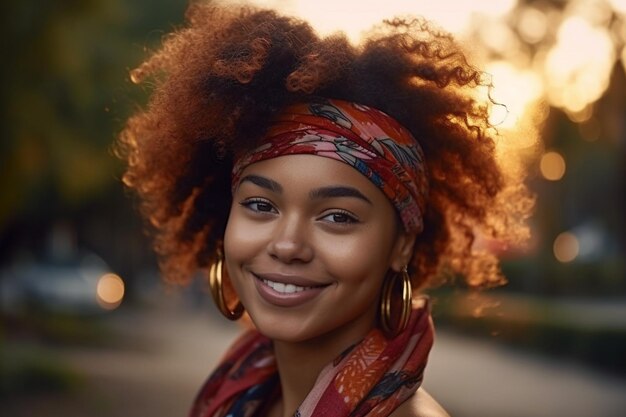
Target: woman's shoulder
[[421, 404]]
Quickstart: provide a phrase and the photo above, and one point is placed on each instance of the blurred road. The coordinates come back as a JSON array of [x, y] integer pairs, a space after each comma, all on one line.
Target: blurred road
[[475, 378], [168, 350]]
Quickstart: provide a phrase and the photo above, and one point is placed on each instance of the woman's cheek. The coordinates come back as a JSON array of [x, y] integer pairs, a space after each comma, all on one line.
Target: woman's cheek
[[345, 258], [242, 236]]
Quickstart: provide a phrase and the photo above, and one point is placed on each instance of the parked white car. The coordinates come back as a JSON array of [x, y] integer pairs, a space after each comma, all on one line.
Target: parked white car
[[81, 285]]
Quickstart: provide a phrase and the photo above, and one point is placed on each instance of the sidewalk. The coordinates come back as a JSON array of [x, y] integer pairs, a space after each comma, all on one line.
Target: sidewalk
[[475, 378], [171, 348]]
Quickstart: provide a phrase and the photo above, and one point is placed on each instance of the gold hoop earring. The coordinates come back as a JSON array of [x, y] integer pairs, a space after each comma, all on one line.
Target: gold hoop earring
[[216, 275], [386, 302]]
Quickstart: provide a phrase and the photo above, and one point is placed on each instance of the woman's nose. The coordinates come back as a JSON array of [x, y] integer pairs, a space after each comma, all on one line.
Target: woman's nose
[[291, 241]]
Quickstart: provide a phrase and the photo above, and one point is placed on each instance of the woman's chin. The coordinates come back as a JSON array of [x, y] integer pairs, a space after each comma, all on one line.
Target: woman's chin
[[283, 329]]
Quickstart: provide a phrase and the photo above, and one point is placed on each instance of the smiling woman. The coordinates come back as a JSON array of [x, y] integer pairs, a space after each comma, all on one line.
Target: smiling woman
[[322, 184], [334, 249]]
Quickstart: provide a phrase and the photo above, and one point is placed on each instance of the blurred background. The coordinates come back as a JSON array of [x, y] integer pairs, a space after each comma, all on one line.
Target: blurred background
[[88, 328]]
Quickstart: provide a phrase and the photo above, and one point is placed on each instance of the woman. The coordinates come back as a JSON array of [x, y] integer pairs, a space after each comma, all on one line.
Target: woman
[[322, 183]]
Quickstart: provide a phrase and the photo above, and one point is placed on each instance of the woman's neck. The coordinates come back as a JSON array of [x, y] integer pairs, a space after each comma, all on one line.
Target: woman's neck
[[299, 364]]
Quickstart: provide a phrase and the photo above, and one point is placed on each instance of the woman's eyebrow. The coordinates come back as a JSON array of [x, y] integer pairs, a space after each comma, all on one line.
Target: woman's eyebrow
[[263, 183], [337, 191]]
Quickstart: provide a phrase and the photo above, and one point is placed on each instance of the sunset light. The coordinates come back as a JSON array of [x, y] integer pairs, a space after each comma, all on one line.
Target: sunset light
[[477, 156], [618, 5], [570, 69], [533, 25], [516, 89], [354, 17], [579, 66]]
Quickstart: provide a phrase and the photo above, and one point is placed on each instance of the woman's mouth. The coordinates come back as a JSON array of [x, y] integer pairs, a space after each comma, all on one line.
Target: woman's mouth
[[286, 291], [284, 288]]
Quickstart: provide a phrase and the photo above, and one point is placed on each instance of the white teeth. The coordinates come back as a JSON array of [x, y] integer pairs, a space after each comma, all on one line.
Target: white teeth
[[284, 288]]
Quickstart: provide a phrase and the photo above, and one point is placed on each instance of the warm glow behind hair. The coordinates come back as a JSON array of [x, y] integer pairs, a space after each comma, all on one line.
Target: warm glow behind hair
[[218, 81]]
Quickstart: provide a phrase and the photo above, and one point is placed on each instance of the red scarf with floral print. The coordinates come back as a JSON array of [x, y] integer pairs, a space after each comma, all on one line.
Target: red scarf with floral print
[[371, 378]]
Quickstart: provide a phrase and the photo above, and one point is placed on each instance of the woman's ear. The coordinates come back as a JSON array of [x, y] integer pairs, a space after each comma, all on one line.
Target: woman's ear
[[402, 250]]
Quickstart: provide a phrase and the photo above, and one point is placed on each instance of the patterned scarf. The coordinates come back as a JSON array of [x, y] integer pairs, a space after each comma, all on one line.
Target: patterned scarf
[[371, 378], [367, 139]]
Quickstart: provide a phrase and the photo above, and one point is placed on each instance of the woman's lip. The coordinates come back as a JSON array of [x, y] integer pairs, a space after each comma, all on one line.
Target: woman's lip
[[283, 299]]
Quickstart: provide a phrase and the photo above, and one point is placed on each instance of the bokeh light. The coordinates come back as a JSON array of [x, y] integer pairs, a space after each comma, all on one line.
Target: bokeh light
[[570, 69], [516, 89], [566, 247], [550, 62], [578, 67], [355, 16], [618, 5], [110, 291], [552, 166], [596, 12], [532, 25]]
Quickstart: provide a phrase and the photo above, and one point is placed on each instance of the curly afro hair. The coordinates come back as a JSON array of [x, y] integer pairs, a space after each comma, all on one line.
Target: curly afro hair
[[218, 81]]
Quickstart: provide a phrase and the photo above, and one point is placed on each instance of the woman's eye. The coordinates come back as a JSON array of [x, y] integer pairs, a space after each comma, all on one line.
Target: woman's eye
[[260, 206], [340, 217]]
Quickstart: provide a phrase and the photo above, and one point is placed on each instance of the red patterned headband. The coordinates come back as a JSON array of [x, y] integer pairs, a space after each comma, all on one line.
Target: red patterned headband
[[365, 138]]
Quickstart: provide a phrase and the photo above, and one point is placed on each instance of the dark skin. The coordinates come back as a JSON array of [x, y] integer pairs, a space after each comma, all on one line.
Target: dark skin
[[288, 226], [219, 80]]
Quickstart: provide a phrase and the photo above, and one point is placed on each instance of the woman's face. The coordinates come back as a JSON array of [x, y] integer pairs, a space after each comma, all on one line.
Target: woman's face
[[307, 246]]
